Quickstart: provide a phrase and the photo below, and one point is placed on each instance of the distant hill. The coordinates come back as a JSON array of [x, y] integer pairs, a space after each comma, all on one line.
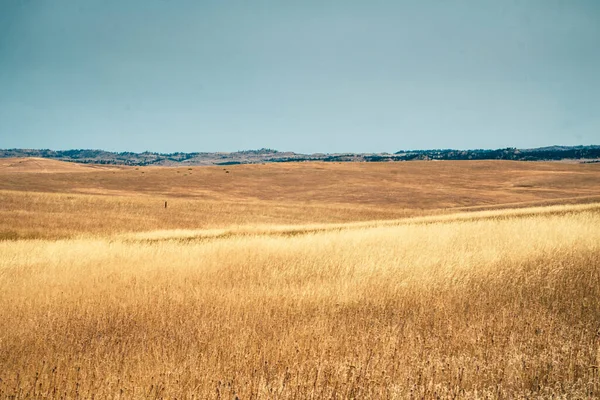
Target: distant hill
[[580, 153], [41, 165]]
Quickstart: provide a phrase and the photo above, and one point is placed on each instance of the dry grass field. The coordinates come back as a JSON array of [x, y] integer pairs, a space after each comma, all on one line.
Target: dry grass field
[[408, 280], [48, 199]]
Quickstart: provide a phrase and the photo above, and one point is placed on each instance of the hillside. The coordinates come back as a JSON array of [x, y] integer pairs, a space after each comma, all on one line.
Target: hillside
[[499, 305], [45, 165], [91, 199], [454, 279], [581, 153]]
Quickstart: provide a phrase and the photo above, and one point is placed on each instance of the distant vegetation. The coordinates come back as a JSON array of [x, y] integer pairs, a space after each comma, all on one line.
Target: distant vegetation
[[587, 153], [511, 153]]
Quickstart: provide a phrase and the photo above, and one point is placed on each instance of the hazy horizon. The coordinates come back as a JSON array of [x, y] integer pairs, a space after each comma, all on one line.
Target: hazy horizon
[[297, 152], [309, 77]]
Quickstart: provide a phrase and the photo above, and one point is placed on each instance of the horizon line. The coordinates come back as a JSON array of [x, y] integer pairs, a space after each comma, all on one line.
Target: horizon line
[[268, 149]]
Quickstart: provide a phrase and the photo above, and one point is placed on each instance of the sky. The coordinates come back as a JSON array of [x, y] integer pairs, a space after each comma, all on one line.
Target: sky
[[306, 76]]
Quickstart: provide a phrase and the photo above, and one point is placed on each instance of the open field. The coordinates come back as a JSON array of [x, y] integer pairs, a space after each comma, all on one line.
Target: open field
[[321, 281], [67, 199]]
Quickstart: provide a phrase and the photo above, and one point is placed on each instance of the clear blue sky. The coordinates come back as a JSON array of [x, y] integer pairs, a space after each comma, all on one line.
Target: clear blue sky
[[306, 76]]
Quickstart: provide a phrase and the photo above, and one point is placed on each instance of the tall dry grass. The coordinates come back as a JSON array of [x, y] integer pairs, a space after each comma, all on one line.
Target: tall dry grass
[[503, 306], [67, 199], [66, 215]]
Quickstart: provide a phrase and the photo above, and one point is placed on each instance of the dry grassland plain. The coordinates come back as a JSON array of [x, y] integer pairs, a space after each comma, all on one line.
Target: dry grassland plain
[[402, 280]]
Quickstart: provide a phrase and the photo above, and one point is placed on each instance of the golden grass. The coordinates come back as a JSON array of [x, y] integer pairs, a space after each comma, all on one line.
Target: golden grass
[[408, 185], [494, 305], [288, 230], [78, 200], [47, 166], [312, 280], [63, 215]]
